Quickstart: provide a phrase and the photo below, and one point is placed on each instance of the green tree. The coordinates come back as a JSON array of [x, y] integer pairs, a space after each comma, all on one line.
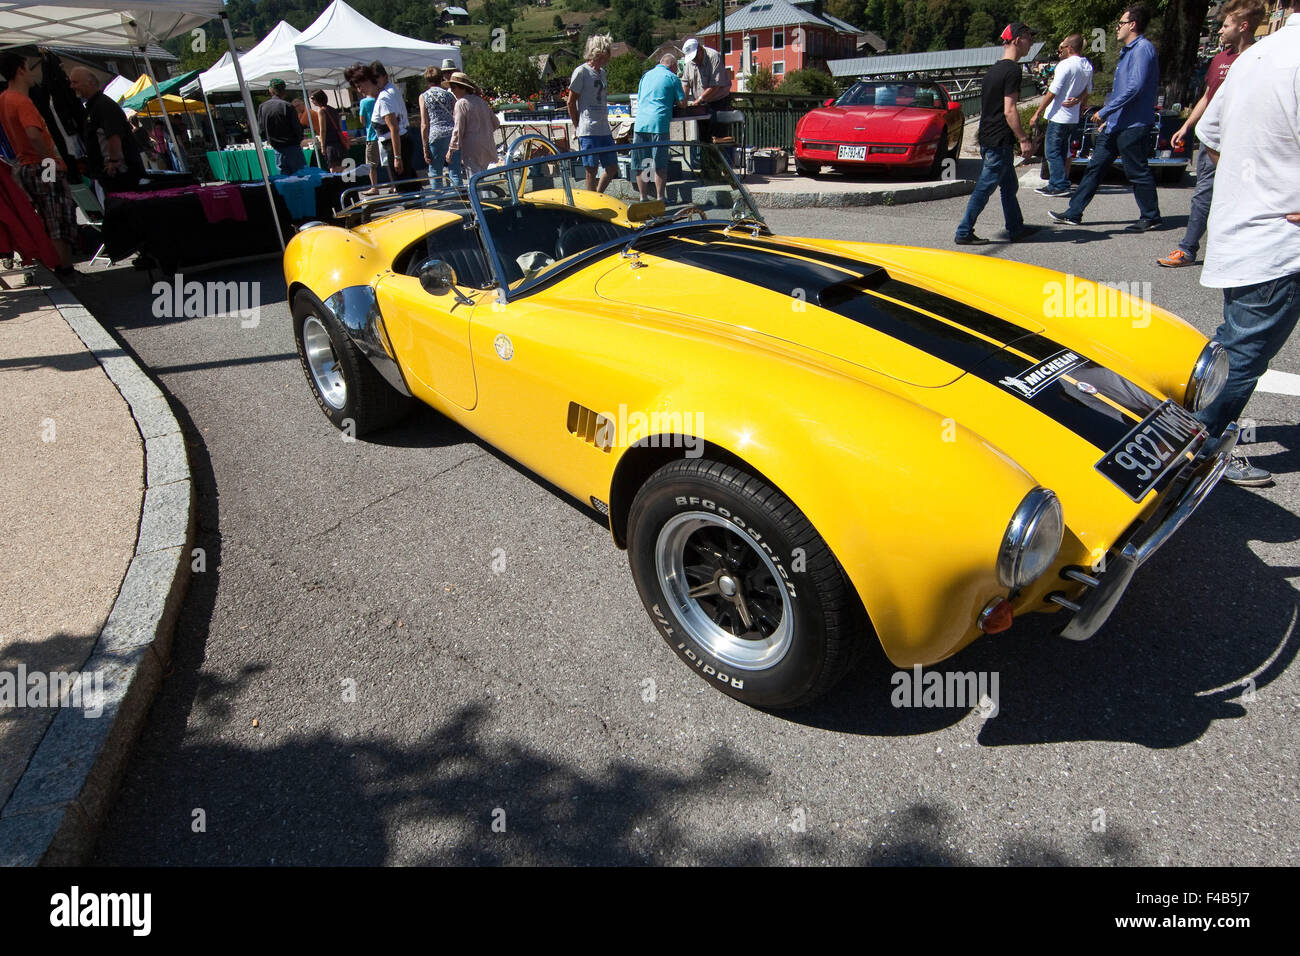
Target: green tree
[[850, 11], [668, 9], [981, 29], [633, 24], [510, 73], [557, 23], [761, 80], [808, 83], [623, 74]]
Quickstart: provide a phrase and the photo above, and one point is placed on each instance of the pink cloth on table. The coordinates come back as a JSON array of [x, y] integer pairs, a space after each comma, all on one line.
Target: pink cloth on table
[[159, 193], [223, 202]]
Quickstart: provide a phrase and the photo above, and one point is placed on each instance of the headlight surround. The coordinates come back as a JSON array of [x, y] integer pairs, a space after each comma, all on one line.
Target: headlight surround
[[1032, 539], [1208, 377]]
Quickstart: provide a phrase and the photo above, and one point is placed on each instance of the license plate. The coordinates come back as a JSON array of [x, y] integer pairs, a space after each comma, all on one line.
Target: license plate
[[852, 152], [1148, 452]]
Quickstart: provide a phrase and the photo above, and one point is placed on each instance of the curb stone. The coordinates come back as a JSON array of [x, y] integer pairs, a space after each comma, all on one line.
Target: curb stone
[[54, 813], [774, 199]]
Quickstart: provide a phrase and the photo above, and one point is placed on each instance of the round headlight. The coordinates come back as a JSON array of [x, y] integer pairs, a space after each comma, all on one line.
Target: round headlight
[[1208, 376], [1032, 540]]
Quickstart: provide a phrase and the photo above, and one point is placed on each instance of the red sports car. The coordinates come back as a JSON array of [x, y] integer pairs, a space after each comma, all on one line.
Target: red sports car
[[902, 125]]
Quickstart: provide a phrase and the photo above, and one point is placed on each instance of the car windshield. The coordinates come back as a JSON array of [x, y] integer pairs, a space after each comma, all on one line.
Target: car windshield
[[537, 217], [922, 95]]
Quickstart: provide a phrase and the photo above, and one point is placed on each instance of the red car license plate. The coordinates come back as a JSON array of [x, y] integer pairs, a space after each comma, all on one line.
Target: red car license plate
[[852, 152]]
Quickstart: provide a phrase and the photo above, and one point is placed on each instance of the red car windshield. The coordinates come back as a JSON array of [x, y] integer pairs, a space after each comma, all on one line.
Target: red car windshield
[[920, 95]]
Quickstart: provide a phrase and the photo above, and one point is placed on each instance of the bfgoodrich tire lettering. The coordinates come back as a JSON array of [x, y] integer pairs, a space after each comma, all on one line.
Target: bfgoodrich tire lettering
[[348, 389], [740, 584]]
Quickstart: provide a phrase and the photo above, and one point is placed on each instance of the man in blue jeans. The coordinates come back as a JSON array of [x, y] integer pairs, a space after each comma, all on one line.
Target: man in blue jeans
[[1241, 18], [1124, 125], [999, 132], [1252, 130], [1061, 104]]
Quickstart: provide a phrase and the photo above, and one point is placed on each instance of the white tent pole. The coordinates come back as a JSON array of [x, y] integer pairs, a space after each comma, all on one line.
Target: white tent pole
[[167, 120], [317, 144], [252, 125], [216, 140]]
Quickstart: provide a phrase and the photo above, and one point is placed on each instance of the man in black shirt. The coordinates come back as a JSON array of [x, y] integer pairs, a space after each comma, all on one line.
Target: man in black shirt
[[1000, 130], [111, 153], [283, 132]]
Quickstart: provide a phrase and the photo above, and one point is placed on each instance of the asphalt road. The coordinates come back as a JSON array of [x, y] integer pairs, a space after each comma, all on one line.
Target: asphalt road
[[362, 677]]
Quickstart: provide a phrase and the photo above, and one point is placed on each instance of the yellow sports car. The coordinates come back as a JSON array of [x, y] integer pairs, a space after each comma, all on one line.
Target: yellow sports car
[[803, 445]]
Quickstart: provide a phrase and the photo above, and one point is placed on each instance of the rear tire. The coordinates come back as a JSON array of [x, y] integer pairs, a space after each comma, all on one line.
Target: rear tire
[[348, 389], [741, 586]]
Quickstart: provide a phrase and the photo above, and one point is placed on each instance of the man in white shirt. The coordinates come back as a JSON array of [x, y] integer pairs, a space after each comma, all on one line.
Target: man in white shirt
[[1071, 84], [1252, 128], [391, 120]]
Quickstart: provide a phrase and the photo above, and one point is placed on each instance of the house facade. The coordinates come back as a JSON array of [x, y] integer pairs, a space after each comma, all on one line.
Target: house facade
[[781, 36]]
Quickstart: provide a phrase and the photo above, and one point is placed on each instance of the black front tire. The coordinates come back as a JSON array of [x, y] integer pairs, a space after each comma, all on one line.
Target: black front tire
[[367, 402], [697, 525], [806, 169]]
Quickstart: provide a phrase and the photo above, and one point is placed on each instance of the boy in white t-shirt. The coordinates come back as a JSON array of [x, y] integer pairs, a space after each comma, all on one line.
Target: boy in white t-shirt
[[1063, 104]]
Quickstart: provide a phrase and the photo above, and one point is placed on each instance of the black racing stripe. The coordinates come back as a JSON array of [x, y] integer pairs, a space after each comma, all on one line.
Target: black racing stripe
[[829, 288], [1086, 415], [825, 284], [954, 310]]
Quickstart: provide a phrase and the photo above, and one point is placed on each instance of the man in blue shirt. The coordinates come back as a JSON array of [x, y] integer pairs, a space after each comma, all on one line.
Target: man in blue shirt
[[1124, 125], [659, 92]]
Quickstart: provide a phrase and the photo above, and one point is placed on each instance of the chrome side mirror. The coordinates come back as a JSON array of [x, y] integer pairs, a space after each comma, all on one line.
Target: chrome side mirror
[[438, 278]]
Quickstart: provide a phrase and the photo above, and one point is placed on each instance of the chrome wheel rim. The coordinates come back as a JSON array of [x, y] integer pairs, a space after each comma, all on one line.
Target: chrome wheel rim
[[729, 596], [323, 363]]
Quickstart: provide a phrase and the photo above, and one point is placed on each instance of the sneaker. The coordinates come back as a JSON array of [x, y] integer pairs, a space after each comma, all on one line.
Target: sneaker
[[971, 240], [1176, 259], [1024, 232], [1241, 472], [1053, 193], [1144, 225], [1065, 217]]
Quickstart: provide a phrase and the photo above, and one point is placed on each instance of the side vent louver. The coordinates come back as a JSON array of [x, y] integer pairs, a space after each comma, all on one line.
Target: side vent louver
[[592, 428]]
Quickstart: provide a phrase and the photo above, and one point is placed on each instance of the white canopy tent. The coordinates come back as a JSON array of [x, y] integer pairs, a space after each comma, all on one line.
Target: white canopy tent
[[88, 22], [85, 22], [341, 36], [274, 56]]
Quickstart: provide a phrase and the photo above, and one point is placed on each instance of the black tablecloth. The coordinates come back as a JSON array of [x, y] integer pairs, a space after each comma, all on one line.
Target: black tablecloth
[[175, 233]]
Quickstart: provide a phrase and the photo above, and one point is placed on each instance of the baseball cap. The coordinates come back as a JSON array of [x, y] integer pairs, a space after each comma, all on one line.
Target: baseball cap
[[276, 84], [1015, 31], [689, 47]]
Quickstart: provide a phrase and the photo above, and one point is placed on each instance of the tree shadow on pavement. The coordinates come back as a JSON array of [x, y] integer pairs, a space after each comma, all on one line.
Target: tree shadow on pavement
[[470, 795]]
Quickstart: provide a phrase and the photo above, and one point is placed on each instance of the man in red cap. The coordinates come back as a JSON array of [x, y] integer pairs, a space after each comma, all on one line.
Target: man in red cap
[[999, 132]]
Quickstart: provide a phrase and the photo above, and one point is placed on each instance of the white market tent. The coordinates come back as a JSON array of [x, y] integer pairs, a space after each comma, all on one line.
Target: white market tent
[[274, 55], [87, 23], [117, 88], [99, 23], [341, 36]]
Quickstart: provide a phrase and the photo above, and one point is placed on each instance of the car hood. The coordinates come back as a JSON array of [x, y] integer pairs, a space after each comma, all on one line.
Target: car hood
[[979, 358], [890, 322], [870, 122]]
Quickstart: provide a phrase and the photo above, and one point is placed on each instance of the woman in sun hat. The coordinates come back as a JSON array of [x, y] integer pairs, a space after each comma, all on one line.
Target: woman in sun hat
[[474, 128]]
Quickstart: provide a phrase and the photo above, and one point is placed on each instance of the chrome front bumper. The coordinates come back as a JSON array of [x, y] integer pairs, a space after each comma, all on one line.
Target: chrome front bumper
[[1192, 486]]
